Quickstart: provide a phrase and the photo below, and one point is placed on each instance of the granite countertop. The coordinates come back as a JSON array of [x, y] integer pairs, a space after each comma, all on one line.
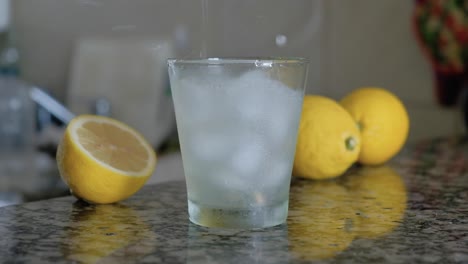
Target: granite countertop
[[413, 210]]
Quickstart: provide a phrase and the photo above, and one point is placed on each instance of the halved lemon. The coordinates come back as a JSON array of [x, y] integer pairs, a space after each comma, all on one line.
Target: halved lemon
[[103, 160]]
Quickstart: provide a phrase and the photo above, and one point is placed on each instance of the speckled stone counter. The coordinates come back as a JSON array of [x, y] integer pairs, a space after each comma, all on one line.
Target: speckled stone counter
[[414, 210]]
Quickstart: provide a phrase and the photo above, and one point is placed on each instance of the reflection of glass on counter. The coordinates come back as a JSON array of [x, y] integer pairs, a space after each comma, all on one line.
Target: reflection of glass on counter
[[113, 232], [213, 245], [326, 216]]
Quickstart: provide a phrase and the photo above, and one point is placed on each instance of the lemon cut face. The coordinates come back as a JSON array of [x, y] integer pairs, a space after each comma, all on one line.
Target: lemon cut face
[[113, 145], [103, 160]]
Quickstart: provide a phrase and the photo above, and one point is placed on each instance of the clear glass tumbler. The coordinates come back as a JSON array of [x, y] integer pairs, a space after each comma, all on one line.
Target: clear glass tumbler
[[17, 149], [237, 121]]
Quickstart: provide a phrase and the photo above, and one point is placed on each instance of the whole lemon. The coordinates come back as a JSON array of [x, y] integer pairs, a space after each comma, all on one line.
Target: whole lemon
[[383, 121], [328, 141]]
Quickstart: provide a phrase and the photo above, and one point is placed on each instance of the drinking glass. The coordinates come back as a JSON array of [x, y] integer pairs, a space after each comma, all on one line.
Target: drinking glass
[[17, 120], [237, 121]]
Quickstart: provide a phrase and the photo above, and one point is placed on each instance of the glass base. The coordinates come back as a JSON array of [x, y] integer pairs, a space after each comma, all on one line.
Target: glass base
[[251, 218]]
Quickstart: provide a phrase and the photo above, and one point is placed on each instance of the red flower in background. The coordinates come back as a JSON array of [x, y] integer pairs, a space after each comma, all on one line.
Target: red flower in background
[[462, 35], [441, 27], [436, 9]]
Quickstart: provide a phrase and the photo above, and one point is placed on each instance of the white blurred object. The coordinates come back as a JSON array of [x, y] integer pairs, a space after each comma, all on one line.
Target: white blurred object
[[281, 40], [49, 103], [130, 73], [4, 15]]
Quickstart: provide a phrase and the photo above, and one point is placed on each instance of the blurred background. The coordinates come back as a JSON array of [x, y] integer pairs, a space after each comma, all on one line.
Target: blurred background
[[350, 44], [108, 57]]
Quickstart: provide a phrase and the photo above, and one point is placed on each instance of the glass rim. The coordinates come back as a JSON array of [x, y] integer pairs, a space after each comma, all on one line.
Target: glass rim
[[239, 60]]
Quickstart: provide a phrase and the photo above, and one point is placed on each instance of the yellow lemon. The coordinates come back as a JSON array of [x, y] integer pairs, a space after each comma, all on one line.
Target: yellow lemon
[[383, 122], [321, 220], [379, 198], [103, 160], [106, 233], [328, 141]]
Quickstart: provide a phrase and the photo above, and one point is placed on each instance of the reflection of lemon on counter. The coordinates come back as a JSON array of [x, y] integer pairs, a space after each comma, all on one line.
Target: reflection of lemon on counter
[[383, 122], [328, 141], [103, 160], [320, 220], [379, 198], [99, 231]]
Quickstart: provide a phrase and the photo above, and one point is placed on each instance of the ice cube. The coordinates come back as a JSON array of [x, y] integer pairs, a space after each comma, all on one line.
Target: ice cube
[[209, 144], [283, 124], [259, 98], [279, 172], [250, 96], [250, 156], [202, 99], [192, 101], [226, 189], [274, 180], [283, 117]]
